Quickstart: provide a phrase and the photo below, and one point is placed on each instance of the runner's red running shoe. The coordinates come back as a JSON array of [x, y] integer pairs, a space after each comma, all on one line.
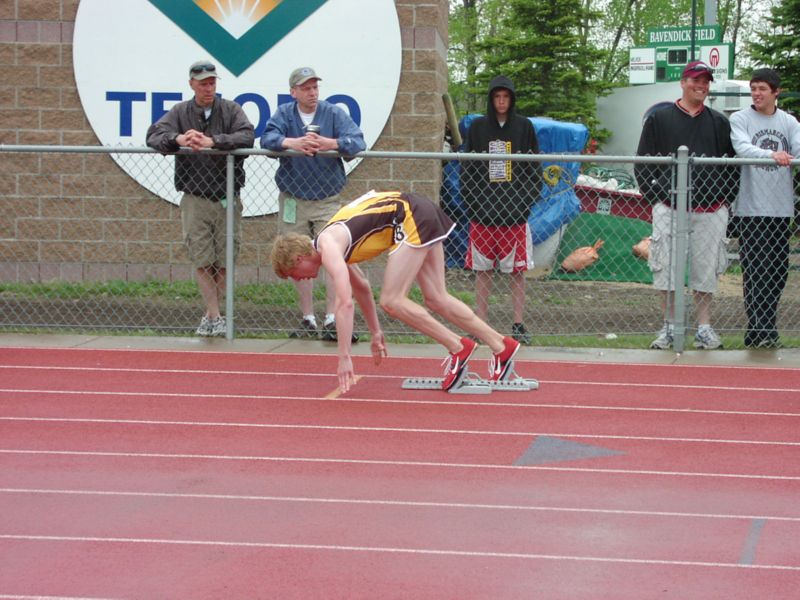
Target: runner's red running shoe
[[501, 363], [457, 363]]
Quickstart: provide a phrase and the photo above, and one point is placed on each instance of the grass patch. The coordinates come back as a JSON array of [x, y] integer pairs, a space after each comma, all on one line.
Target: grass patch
[[466, 297], [62, 290], [282, 295], [734, 269], [269, 294]]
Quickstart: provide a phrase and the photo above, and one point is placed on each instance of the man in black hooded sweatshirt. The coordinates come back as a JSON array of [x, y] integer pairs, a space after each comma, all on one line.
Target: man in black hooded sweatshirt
[[499, 195]]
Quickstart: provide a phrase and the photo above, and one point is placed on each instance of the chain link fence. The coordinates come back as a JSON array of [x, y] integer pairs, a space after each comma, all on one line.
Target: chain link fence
[[85, 248]]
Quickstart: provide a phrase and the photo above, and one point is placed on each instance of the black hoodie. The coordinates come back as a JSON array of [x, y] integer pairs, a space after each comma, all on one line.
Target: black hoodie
[[500, 192]]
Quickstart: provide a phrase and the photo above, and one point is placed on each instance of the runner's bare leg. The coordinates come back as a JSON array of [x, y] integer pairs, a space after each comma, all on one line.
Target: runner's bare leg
[[426, 265]]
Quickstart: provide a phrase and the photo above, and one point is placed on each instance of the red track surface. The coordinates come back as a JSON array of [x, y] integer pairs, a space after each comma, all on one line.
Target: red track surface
[[127, 474]]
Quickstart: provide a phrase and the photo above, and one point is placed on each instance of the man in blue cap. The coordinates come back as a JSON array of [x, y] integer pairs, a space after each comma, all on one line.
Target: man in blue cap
[[310, 185]]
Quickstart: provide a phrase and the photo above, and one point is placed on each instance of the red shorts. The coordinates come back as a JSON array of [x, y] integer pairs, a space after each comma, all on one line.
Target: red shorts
[[507, 247]]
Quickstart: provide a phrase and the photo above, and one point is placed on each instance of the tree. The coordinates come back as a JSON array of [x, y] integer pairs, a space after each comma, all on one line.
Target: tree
[[544, 47], [463, 31], [779, 48], [470, 22]]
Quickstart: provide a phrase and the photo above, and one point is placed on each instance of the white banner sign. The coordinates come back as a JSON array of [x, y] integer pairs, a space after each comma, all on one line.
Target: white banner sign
[[642, 65], [132, 57]]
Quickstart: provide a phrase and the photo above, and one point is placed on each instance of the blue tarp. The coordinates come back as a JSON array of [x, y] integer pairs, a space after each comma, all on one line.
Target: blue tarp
[[558, 204]]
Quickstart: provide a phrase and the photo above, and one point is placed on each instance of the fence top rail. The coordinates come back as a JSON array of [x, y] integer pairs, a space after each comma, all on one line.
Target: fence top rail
[[443, 156], [725, 161]]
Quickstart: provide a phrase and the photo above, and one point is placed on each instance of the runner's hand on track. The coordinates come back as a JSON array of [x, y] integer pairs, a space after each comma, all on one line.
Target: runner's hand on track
[[378, 347], [347, 377]]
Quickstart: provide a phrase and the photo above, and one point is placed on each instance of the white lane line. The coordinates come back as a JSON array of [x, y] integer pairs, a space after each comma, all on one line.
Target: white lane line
[[398, 503], [16, 597], [528, 405], [159, 371], [672, 386], [393, 377], [396, 463], [395, 550], [414, 430]]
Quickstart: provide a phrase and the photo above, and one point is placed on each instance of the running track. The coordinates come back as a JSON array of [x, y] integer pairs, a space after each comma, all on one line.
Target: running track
[[152, 474]]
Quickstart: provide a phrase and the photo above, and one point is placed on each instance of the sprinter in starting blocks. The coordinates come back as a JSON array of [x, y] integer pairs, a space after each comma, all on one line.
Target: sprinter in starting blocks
[[412, 229], [472, 383]]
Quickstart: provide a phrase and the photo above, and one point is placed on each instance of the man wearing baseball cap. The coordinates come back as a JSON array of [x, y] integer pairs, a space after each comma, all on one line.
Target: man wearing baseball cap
[[697, 68], [205, 121], [706, 132], [310, 184], [765, 205]]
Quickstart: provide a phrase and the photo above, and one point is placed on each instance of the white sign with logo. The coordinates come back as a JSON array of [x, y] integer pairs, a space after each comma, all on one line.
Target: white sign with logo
[[718, 58], [131, 61], [642, 65]]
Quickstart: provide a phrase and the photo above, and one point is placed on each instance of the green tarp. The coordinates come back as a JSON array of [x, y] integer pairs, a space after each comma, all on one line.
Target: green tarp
[[617, 262]]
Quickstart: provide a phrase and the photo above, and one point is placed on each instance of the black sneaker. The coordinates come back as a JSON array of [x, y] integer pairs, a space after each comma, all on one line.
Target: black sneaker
[[329, 334], [769, 343], [773, 343], [519, 333], [306, 330], [762, 339]]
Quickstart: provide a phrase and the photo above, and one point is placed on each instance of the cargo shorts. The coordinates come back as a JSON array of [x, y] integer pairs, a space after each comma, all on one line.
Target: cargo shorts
[[204, 225], [708, 248]]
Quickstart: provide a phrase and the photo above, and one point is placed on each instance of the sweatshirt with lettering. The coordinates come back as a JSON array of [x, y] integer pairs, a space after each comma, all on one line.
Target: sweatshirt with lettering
[[766, 190], [500, 192]]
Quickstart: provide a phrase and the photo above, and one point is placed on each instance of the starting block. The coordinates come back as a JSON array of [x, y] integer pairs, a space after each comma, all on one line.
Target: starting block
[[470, 383]]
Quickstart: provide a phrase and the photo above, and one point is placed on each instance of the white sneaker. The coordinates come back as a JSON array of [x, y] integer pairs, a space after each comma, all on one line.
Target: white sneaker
[[204, 329], [217, 326], [707, 339], [664, 339]]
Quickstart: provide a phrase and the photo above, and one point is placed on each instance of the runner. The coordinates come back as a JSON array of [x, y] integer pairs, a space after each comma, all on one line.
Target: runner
[[412, 228]]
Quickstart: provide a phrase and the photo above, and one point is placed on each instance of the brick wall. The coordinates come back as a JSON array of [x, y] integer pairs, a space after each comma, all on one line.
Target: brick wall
[[79, 217]]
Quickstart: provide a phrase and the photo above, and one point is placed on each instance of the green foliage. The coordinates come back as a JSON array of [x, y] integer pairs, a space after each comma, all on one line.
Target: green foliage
[[467, 297], [542, 45], [779, 48], [61, 290], [566, 53], [461, 58], [549, 59], [273, 294]]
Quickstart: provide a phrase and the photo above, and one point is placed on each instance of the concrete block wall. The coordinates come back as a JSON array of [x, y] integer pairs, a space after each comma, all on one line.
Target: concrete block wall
[[78, 217]]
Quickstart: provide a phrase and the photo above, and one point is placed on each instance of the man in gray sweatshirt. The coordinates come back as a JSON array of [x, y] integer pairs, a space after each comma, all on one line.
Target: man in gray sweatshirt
[[765, 205]]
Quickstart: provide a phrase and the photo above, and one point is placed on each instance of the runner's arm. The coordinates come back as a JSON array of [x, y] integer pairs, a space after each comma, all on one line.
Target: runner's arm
[[362, 292], [331, 248]]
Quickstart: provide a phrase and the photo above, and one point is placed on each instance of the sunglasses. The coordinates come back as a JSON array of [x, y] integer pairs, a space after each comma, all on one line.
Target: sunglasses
[[700, 69], [200, 68]]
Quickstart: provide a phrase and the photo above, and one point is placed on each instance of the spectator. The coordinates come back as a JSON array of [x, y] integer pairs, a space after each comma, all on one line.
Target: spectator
[[499, 195], [205, 122], [412, 228], [705, 132], [765, 206], [310, 185]]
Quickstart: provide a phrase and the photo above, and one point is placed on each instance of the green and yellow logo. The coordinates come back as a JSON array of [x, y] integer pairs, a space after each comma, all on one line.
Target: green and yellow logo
[[237, 32]]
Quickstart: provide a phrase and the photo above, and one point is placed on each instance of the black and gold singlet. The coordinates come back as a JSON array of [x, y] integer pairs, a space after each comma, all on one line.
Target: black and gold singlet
[[380, 221]]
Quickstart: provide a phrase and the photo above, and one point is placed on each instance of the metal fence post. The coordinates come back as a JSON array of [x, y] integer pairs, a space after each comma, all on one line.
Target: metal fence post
[[681, 247], [230, 209]]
